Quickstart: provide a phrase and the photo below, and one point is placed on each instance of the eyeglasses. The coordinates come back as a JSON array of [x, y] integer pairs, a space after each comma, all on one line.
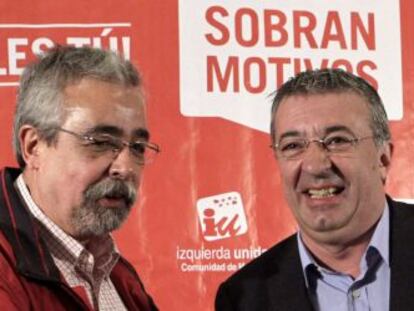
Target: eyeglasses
[[105, 144], [291, 148]]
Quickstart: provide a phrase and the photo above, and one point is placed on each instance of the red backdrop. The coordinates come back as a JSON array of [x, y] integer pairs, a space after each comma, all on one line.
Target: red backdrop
[[212, 200]]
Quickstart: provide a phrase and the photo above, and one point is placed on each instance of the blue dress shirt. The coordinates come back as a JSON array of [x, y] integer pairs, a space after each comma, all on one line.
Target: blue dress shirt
[[330, 290]]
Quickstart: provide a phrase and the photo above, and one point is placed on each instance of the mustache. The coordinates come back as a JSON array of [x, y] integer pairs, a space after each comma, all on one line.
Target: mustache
[[112, 189]]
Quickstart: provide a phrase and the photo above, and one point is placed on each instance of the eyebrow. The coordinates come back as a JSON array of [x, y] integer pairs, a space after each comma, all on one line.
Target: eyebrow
[[140, 133], [289, 134], [327, 131], [338, 128]]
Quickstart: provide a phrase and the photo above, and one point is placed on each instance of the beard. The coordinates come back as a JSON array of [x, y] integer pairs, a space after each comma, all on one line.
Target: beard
[[93, 219]]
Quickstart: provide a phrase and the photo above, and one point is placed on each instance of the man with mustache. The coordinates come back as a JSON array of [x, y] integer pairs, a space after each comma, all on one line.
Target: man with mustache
[[332, 143], [81, 140]]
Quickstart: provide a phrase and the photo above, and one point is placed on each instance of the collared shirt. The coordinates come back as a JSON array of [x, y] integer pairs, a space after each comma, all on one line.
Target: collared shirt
[[88, 268], [330, 290]]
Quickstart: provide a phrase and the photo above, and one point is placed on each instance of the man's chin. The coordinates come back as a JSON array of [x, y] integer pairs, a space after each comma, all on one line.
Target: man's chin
[[104, 218]]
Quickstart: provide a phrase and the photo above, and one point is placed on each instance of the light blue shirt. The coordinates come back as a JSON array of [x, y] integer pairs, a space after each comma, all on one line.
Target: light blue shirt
[[330, 290]]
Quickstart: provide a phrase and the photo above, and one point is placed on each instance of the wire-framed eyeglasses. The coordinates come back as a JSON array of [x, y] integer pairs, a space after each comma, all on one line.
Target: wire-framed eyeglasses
[[295, 147], [106, 144]]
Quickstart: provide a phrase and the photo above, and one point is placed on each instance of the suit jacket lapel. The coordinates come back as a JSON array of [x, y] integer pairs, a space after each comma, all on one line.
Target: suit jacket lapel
[[286, 286], [401, 256]]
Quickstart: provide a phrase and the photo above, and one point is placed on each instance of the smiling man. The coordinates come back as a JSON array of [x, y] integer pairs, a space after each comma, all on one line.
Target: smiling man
[[332, 142], [81, 141]]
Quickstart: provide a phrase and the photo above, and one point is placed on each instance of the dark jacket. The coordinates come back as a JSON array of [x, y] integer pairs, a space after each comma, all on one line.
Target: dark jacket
[[275, 281], [29, 279]]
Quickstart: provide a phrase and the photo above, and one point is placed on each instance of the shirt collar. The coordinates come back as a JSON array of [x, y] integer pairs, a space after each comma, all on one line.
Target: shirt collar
[[380, 238], [76, 248], [379, 241], [101, 247]]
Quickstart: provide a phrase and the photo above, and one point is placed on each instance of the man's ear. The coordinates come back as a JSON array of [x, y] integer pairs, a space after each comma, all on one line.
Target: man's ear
[[30, 144], [385, 155]]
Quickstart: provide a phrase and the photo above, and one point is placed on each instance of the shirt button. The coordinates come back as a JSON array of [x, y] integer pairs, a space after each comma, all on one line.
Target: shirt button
[[356, 294]]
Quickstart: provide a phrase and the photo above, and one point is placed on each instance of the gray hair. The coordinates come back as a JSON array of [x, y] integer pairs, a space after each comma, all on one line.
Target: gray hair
[[323, 81], [40, 95]]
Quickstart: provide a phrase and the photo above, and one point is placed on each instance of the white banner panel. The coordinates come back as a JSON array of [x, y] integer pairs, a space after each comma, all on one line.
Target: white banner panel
[[234, 54]]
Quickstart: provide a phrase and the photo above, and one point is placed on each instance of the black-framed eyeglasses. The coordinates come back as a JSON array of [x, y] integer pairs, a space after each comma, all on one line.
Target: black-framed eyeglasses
[[294, 147], [105, 144]]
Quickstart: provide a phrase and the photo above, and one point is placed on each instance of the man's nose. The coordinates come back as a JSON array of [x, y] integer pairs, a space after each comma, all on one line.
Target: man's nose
[[316, 159], [124, 166]]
